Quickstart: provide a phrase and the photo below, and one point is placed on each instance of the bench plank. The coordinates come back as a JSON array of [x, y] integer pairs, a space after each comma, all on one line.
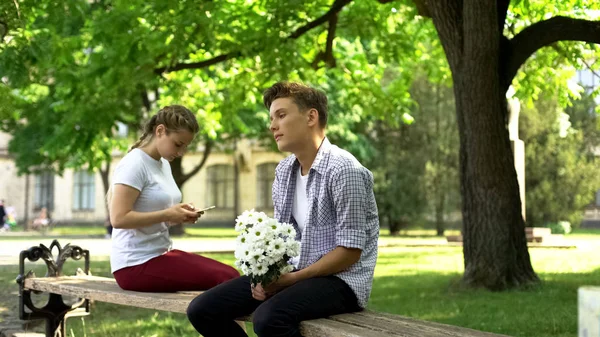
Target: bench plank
[[104, 289], [360, 324], [408, 327]]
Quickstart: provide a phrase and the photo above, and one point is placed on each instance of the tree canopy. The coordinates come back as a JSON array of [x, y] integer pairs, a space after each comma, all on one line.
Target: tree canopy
[[72, 70]]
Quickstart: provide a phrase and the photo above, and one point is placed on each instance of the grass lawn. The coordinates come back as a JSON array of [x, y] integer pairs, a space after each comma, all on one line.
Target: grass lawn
[[416, 282], [193, 232]]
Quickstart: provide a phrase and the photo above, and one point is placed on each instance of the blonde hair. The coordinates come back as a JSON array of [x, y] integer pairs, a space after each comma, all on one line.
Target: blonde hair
[[175, 118]]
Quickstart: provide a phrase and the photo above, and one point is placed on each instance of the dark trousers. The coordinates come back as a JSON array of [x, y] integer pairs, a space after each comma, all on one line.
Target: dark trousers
[[213, 312]]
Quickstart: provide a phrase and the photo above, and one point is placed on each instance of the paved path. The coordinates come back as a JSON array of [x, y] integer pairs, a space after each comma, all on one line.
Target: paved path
[[9, 250]]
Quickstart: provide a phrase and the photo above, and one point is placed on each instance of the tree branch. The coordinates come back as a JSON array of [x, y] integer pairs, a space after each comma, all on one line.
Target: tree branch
[[198, 65], [590, 68], [327, 56], [587, 65], [145, 100], [422, 8], [329, 59], [335, 8], [18, 9], [4, 30], [208, 145], [544, 33], [502, 8]]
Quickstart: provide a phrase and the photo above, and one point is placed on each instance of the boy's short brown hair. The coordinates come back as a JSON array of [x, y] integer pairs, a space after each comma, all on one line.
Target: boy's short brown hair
[[304, 96]]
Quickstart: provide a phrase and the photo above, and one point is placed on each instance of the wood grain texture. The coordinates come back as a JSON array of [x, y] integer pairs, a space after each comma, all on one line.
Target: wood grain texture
[[360, 324]]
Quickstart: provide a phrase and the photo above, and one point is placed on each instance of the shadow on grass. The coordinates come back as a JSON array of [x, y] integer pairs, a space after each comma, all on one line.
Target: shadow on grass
[[549, 309]]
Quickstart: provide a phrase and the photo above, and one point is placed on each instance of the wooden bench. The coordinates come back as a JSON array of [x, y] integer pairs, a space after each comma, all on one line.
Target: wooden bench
[[537, 234], [86, 287], [533, 235]]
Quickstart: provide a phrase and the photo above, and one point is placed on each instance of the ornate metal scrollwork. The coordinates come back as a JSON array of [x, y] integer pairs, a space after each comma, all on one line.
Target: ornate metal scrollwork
[[55, 311]]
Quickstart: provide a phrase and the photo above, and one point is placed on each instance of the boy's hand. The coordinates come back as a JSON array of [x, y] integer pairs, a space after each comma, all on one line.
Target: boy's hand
[[263, 293]]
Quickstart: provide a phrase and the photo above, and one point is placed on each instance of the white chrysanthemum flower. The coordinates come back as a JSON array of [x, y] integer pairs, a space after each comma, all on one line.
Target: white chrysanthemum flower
[[262, 244], [274, 225], [259, 270], [240, 225], [292, 248], [277, 247], [287, 230], [241, 240], [260, 218], [257, 233]]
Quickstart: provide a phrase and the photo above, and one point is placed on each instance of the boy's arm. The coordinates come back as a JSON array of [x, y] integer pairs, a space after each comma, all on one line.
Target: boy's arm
[[337, 260]]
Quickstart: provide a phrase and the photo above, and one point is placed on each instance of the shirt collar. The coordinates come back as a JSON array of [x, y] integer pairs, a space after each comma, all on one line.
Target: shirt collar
[[319, 164]]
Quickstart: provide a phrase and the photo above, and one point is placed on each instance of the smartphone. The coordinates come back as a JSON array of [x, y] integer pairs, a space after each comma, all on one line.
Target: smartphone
[[204, 209]]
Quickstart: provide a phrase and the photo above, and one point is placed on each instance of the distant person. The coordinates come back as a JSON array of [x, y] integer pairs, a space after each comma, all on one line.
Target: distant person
[[144, 201], [11, 218], [4, 226], [2, 212], [43, 219]]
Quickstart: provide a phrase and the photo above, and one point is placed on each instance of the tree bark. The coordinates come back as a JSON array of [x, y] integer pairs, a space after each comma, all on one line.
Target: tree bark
[[104, 173], [440, 208], [180, 178], [495, 248]]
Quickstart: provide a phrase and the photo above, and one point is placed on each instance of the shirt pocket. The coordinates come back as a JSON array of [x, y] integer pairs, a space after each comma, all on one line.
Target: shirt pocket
[[322, 214]]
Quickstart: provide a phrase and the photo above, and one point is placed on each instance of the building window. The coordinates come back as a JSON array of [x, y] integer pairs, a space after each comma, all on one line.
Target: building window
[[84, 191], [44, 191], [221, 191], [122, 130], [265, 175]]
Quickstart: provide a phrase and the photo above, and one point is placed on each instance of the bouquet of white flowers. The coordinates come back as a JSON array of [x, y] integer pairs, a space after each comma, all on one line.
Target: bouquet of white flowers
[[264, 247]]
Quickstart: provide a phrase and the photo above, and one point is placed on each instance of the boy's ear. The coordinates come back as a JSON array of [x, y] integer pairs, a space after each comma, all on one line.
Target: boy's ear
[[313, 117]]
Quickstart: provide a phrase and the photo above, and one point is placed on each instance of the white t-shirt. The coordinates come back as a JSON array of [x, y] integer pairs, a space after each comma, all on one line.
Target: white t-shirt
[[158, 191], [300, 206]]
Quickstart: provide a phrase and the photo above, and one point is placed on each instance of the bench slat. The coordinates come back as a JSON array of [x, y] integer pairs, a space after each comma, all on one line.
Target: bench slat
[[331, 328], [360, 324], [408, 326], [106, 290]]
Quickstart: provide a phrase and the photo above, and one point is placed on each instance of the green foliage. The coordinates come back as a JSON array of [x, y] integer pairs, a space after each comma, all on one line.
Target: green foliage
[[72, 71], [561, 227], [562, 173], [417, 164], [550, 70]]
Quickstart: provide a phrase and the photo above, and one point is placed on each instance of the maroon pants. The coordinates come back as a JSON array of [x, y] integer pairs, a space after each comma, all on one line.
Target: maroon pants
[[173, 271]]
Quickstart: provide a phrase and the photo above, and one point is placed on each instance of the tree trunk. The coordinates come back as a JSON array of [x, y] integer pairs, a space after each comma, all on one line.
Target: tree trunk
[[180, 178], [105, 184], [495, 248], [439, 213]]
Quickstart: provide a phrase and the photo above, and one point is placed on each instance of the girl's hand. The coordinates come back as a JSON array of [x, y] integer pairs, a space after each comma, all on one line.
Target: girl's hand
[[181, 213]]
